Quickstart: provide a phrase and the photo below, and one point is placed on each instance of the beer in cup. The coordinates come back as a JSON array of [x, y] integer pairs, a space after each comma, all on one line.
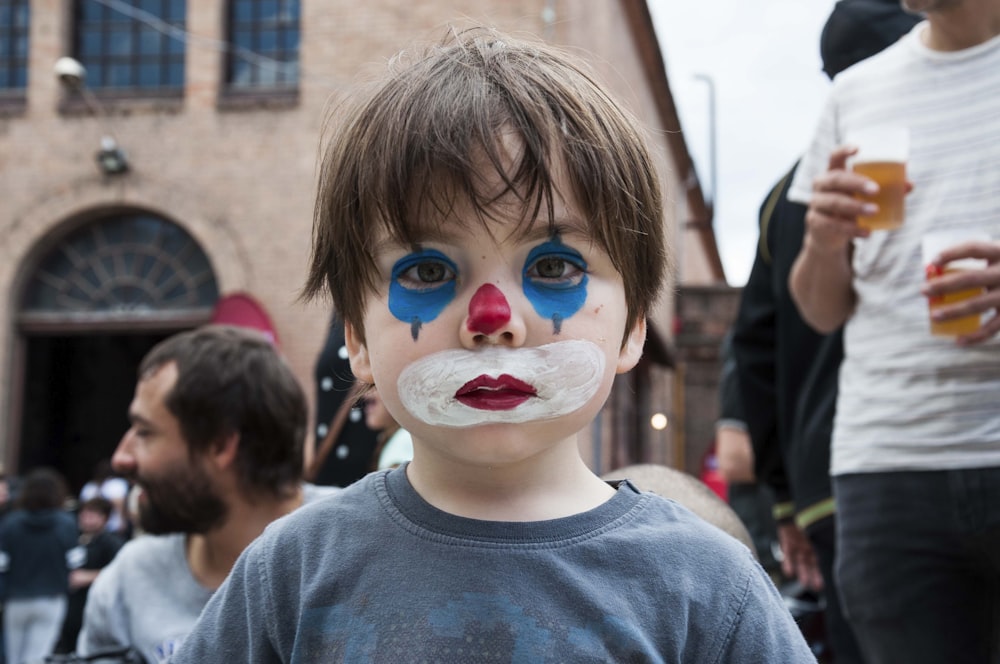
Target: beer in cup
[[934, 243], [881, 156]]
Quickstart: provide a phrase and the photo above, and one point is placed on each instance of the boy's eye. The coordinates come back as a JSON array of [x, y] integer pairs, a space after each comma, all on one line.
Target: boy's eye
[[424, 270], [550, 267], [426, 274], [556, 270], [431, 272]]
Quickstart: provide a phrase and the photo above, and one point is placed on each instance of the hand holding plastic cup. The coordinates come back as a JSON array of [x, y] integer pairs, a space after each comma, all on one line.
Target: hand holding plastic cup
[[881, 156], [934, 243]]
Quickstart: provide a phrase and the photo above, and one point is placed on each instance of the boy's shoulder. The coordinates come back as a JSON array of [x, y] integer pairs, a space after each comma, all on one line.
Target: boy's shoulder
[[676, 531]]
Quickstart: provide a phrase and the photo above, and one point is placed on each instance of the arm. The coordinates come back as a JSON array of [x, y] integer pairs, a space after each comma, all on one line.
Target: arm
[[987, 279], [732, 441], [753, 351], [821, 278], [798, 556], [734, 452], [81, 578]]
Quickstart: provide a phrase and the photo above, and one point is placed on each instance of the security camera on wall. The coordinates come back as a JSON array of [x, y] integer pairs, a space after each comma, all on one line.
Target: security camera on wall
[[70, 72]]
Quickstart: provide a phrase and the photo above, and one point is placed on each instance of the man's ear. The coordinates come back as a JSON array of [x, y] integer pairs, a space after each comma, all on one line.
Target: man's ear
[[357, 353], [631, 350], [223, 451]]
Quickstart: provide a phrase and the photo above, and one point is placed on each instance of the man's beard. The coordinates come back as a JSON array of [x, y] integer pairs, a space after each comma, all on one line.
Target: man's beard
[[181, 500]]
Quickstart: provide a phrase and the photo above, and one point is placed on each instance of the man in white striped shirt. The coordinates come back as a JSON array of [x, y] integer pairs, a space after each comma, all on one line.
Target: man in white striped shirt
[[916, 444]]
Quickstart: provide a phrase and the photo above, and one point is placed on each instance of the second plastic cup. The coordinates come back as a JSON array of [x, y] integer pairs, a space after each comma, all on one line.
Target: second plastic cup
[[881, 156], [934, 243]]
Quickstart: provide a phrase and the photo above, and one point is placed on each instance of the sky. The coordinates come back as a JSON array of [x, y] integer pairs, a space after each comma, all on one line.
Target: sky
[[762, 57]]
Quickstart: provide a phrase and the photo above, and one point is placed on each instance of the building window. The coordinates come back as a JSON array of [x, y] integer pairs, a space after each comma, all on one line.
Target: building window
[[132, 45], [128, 264], [264, 45], [13, 46]]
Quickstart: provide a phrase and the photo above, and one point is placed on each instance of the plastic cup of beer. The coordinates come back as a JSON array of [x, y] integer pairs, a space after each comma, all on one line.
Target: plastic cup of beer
[[934, 243], [881, 156]]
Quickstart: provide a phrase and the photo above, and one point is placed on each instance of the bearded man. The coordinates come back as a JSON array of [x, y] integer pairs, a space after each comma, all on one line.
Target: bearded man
[[215, 448]]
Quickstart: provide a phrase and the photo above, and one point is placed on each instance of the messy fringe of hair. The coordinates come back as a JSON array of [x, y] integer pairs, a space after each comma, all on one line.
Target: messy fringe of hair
[[402, 154]]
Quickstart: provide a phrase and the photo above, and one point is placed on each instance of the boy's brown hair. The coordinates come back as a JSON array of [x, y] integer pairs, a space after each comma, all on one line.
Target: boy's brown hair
[[401, 156]]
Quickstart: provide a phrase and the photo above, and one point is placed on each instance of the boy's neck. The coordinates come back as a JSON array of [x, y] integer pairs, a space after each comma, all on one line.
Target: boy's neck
[[533, 490]]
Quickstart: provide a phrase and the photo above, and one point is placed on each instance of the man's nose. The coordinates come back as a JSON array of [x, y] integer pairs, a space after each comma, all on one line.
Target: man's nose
[[123, 461]]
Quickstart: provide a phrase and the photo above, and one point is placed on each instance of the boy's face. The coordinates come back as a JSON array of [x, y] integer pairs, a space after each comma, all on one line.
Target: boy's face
[[518, 336]]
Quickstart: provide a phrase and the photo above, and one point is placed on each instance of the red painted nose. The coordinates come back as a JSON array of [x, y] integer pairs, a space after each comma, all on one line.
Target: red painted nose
[[488, 310]]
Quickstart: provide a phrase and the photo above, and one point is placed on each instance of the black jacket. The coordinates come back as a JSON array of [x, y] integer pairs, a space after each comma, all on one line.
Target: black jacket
[[33, 548], [787, 371]]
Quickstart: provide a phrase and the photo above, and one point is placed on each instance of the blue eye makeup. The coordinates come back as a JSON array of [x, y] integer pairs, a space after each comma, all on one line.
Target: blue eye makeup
[[555, 281], [422, 285]]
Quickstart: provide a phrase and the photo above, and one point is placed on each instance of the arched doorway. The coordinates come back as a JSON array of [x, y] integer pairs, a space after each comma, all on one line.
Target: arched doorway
[[93, 305]]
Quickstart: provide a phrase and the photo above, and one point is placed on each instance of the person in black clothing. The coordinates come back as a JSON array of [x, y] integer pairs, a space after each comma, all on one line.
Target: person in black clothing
[[347, 457], [751, 499], [96, 550], [788, 372]]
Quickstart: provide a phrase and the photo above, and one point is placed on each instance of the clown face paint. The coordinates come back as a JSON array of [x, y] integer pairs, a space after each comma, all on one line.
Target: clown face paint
[[423, 283], [496, 385], [555, 281]]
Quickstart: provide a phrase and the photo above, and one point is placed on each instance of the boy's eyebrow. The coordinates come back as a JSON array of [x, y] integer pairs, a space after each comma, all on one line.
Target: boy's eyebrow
[[569, 226], [539, 231]]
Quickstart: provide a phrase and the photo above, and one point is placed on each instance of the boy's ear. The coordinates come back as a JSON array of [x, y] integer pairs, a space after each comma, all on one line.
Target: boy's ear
[[631, 350], [357, 352]]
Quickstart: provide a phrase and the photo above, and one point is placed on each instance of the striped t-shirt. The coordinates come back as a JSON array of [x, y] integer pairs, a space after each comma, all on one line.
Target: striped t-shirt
[[909, 400]]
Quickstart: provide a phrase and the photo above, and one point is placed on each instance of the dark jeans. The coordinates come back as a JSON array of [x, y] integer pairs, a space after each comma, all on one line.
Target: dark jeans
[[822, 536], [919, 564]]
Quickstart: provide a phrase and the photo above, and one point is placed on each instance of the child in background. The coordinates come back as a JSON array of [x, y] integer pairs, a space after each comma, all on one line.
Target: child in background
[[490, 225], [96, 549]]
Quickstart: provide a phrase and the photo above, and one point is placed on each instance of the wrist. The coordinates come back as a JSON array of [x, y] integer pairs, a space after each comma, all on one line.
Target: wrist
[[825, 249]]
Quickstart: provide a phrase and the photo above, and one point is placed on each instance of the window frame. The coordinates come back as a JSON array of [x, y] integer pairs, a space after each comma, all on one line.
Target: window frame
[[168, 57], [287, 49], [13, 98]]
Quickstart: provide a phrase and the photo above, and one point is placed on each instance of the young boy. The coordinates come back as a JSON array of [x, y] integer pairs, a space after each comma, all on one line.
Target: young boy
[[490, 226]]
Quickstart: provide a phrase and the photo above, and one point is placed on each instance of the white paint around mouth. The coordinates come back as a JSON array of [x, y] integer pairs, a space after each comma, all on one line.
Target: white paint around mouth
[[565, 375]]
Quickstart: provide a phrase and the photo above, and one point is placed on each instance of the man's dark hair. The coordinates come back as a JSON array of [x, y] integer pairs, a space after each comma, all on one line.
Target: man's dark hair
[[43, 489], [232, 380]]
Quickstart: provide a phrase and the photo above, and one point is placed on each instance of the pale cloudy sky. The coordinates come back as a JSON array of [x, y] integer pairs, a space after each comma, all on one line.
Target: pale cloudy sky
[[763, 56]]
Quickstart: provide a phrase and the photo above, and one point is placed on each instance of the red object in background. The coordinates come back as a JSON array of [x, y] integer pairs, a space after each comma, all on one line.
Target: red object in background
[[243, 310], [711, 476]]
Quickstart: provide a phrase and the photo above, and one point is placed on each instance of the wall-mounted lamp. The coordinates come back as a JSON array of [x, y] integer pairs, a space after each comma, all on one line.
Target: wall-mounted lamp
[[73, 76]]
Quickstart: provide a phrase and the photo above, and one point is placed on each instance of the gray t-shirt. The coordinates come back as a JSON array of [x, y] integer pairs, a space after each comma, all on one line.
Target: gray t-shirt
[[379, 575], [148, 598]]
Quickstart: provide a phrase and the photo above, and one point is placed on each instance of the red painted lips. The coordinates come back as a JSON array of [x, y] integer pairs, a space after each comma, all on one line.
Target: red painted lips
[[501, 393]]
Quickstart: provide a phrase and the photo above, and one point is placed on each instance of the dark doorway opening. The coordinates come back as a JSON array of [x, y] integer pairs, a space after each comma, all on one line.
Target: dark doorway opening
[[76, 396]]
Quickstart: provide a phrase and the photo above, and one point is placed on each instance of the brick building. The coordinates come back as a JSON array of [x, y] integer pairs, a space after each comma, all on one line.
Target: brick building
[[221, 147]]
